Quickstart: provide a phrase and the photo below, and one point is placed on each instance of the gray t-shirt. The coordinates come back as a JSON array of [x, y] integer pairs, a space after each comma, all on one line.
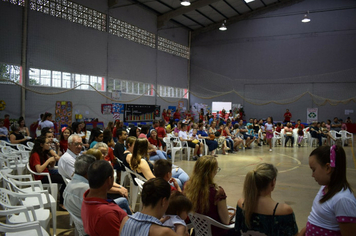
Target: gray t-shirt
[[335, 128]]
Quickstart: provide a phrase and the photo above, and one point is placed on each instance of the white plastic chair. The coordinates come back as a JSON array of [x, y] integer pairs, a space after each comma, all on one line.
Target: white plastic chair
[[202, 224], [188, 149], [346, 136], [123, 174], [32, 228], [52, 187], [30, 144], [5, 165], [282, 133], [206, 148], [47, 200], [78, 223], [333, 134], [15, 160], [22, 147], [139, 183], [40, 214], [276, 136], [134, 189], [176, 146]]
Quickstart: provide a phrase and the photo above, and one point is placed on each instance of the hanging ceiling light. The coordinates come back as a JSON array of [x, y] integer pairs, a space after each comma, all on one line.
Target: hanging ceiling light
[[185, 3], [306, 19], [223, 26]]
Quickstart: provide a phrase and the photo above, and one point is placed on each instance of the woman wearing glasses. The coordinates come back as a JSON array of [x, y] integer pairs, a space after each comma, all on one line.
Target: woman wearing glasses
[[206, 196]]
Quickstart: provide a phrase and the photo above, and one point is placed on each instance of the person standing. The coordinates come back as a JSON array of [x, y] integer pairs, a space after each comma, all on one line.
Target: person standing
[[287, 116]]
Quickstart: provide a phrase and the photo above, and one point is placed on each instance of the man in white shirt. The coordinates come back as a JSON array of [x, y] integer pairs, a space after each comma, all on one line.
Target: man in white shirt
[[66, 162], [183, 136], [73, 193]]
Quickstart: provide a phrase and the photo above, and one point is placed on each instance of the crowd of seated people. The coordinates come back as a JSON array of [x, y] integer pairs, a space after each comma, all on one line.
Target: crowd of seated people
[[143, 150]]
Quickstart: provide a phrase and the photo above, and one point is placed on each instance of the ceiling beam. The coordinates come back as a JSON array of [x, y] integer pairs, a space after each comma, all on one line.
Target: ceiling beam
[[244, 16], [163, 19]]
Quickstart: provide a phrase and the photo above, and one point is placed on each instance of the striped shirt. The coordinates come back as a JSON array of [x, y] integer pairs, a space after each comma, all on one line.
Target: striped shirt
[[139, 224]]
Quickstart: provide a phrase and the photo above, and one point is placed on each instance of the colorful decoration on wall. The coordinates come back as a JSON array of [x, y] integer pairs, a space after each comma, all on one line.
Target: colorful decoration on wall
[[116, 116], [180, 105], [2, 105], [63, 114], [106, 109], [118, 108]]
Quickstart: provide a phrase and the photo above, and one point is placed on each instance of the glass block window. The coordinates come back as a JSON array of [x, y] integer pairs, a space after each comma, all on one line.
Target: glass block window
[[131, 32], [71, 11], [173, 92], [11, 73], [130, 87], [16, 2], [174, 48]]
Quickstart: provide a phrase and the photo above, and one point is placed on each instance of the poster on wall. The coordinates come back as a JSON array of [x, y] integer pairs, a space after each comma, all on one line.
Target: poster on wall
[[116, 94], [63, 116], [180, 105], [172, 108], [312, 115], [106, 109], [118, 108], [135, 112]]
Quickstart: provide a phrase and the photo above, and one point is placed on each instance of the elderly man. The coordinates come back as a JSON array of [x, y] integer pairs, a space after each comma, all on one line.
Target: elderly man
[[73, 194], [66, 163], [101, 216]]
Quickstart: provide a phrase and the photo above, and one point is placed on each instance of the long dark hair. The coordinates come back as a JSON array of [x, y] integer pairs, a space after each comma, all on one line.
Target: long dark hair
[[37, 148], [338, 179], [19, 121], [95, 132], [139, 151], [46, 115], [133, 131]]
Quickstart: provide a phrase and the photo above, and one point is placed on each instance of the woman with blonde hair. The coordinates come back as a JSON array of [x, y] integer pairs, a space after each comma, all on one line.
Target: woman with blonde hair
[[206, 196], [257, 211]]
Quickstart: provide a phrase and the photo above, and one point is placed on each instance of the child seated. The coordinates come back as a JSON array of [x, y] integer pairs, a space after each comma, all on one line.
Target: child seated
[[250, 130], [163, 169], [178, 209]]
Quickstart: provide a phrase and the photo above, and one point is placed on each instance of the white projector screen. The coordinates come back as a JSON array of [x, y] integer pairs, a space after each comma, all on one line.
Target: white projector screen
[[218, 106]]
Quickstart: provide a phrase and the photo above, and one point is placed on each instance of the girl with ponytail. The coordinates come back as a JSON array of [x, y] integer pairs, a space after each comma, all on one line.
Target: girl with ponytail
[[257, 211]]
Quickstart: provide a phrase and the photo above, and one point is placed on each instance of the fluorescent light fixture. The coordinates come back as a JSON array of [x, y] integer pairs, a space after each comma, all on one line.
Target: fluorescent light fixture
[[223, 26], [185, 3], [306, 19], [248, 1]]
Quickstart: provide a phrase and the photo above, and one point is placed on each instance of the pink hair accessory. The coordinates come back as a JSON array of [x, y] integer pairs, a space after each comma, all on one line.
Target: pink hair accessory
[[332, 155], [64, 128]]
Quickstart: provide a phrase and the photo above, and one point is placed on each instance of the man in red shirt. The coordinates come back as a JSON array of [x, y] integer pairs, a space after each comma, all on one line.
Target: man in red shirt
[[101, 216], [287, 116], [176, 115]]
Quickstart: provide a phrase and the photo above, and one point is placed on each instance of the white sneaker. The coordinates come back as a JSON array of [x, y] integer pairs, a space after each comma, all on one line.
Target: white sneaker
[[270, 150]]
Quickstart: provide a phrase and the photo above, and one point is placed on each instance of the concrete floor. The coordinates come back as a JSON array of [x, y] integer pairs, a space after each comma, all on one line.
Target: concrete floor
[[295, 185]]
